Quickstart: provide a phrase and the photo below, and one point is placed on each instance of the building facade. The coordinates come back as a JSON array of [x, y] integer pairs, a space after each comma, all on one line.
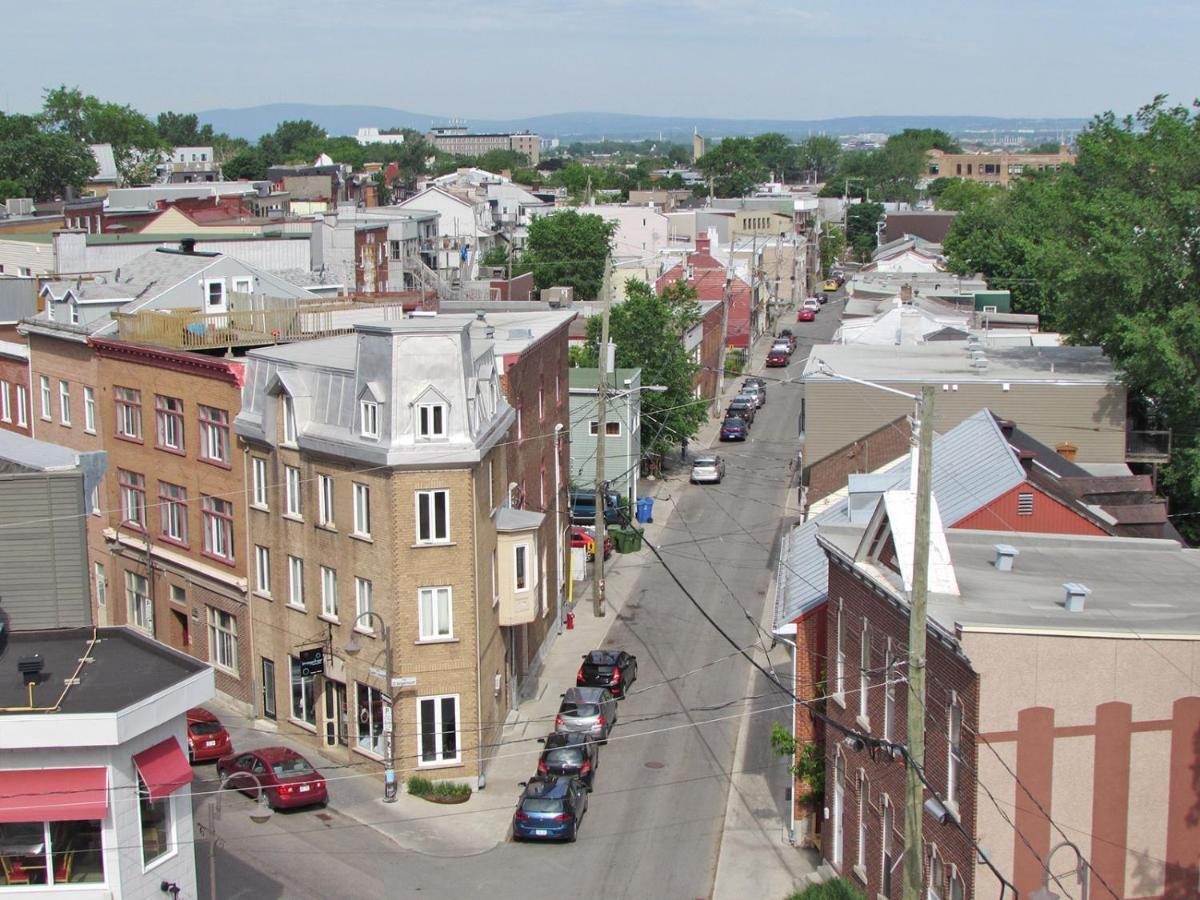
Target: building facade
[[622, 430], [995, 168]]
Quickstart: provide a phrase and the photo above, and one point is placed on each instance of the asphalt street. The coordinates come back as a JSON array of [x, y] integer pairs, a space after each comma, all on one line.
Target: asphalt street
[[654, 823]]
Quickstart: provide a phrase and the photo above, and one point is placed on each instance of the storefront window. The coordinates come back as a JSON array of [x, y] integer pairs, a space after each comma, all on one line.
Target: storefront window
[[51, 853], [370, 719], [304, 699], [156, 825]]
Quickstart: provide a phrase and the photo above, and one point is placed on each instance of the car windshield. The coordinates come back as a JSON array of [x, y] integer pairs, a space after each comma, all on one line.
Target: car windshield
[[706, 463], [565, 756], [580, 710], [601, 658], [205, 727], [540, 805], [287, 768], [734, 423]]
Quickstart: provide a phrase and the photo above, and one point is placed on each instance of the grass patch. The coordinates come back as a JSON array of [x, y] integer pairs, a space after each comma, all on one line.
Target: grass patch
[[838, 889], [423, 787]]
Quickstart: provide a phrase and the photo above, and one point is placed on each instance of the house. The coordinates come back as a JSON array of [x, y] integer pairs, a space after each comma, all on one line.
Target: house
[[713, 281], [907, 254], [383, 242], [183, 165], [1059, 708], [380, 498], [464, 232], [107, 175], [622, 431], [14, 388], [927, 224], [1060, 395], [706, 341]]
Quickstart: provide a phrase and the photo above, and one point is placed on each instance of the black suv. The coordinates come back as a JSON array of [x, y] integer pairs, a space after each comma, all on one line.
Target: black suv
[[744, 408], [612, 669], [569, 754]]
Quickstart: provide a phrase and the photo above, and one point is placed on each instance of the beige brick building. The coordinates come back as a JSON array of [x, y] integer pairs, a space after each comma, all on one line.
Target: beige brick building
[[378, 497]]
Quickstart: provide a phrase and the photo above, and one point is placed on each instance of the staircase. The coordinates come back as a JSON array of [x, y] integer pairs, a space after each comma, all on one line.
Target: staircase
[[430, 280]]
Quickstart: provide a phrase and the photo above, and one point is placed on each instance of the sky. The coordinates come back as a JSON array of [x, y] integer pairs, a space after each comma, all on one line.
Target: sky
[[788, 59]]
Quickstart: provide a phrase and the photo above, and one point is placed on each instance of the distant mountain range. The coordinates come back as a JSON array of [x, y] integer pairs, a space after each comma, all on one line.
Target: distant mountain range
[[254, 121]]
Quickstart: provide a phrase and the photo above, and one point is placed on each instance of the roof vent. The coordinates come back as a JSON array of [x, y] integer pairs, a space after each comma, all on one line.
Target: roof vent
[[481, 314], [1005, 554], [30, 668], [187, 245], [979, 362], [1077, 595]]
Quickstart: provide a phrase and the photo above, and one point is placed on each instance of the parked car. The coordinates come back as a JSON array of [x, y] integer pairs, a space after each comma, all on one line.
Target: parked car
[[744, 407], [788, 341], [550, 809], [614, 670], [569, 755], [753, 390], [708, 470], [754, 379], [806, 315], [777, 358], [583, 508], [585, 536], [811, 303], [590, 710], [831, 284], [785, 332], [207, 738], [734, 429], [289, 780]]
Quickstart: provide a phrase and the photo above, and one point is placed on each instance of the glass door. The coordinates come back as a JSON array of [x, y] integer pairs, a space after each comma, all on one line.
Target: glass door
[[335, 713]]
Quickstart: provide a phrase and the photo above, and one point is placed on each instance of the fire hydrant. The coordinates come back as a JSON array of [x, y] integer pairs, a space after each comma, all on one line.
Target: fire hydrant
[[570, 621]]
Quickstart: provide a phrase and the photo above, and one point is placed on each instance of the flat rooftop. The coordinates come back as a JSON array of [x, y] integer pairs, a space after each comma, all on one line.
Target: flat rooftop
[[950, 361], [125, 668]]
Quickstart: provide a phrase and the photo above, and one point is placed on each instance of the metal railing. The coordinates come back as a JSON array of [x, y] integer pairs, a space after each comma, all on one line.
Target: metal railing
[[1148, 446]]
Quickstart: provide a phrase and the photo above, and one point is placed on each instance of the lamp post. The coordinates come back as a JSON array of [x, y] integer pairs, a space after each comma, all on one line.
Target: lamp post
[[352, 649], [261, 813]]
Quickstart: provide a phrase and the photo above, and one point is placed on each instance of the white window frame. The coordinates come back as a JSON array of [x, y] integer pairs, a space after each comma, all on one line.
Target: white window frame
[[860, 850], [5, 409], [172, 847], [22, 406], [431, 421], [864, 673], [362, 509], [243, 284], [428, 522], [522, 583], [215, 435], [430, 616], [101, 581], [44, 384], [222, 640], [364, 602], [294, 506], [223, 303], [934, 890], [886, 829], [290, 429], [64, 402], [258, 479], [329, 598], [89, 409], [168, 423], [295, 582], [440, 758], [368, 419], [262, 569], [218, 528], [325, 517], [889, 694], [956, 881], [954, 714], [839, 667], [137, 599]]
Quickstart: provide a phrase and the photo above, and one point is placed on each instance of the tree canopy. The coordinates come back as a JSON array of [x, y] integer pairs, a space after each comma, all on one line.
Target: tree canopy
[[733, 167], [39, 163], [571, 249], [135, 141], [862, 228]]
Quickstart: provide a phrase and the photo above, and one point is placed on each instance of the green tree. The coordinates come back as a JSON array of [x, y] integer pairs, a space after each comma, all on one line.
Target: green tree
[[733, 167], [819, 155], [862, 228], [648, 331], [833, 247], [250, 165], [183, 130], [570, 249], [499, 160], [10, 187], [963, 192], [778, 154], [41, 164], [282, 143], [1046, 147], [135, 141]]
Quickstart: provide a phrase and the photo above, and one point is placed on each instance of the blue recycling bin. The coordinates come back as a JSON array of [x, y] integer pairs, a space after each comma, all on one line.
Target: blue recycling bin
[[645, 509]]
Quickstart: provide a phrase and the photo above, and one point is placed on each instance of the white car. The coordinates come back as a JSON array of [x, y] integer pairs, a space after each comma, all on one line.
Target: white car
[[811, 303], [708, 469]]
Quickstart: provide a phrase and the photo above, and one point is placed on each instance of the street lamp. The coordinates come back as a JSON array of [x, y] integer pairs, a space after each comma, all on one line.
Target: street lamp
[[352, 649], [261, 813], [1081, 872]]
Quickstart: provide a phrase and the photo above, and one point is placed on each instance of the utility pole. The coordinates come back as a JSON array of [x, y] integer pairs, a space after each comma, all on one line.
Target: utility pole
[[601, 439], [914, 788]]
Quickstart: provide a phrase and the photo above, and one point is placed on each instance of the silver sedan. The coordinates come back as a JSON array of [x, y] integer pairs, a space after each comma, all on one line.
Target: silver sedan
[[708, 469]]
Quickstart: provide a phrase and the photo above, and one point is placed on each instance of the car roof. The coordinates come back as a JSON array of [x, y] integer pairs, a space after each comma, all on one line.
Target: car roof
[[276, 754], [554, 740], [587, 694], [603, 657], [548, 788], [200, 714], [710, 460]]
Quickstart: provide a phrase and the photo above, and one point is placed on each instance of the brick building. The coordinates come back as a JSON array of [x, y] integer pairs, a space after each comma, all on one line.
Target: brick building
[[14, 388], [706, 341], [745, 317]]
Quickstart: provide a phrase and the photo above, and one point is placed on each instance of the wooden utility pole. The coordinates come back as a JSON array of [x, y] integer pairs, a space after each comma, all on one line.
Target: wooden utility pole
[[601, 441], [914, 788]]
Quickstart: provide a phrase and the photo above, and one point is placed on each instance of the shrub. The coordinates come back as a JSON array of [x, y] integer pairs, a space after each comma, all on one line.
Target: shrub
[[423, 787], [838, 889]]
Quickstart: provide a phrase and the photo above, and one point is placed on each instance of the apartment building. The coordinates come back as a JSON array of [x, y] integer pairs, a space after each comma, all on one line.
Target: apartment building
[[14, 388], [458, 140], [380, 498], [995, 168]]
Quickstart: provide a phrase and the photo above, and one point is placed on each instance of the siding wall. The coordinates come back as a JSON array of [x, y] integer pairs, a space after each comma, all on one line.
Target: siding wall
[[1049, 515]]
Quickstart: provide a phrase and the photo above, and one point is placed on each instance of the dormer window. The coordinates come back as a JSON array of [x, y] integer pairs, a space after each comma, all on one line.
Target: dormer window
[[368, 416], [289, 420], [431, 420]]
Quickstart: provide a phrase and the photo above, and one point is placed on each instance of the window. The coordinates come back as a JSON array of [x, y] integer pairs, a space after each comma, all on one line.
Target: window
[[362, 510], [611, 429], [864, 674], [370, 719], [889, 694], [89, 410], [368, 415], [5, 411], [1025, 503], [215, 291], [129, 413], [557, 390], [268, 688], [433, 517], [262, 569], [304, 697], [68, 852], [258, 478], [956, 885], [541, 400], [292, 488], [937, 876], [22, 405], [178, 595], [172, 511], [886, 857], [325, 501], [363, 604], [521, 567], [168, 414], [222, 639], [218, 527], [296, 581], [45, 386], [289, 420], [954, 748], [495, 582], [431, 420], [101, 584], [240, 285], [329, 592], [158, 827], [520, 425], [133, 498], [214, 435], [839, 671], [437, 730], [435, 614], [137, 592], [64, 403], [860, 852]]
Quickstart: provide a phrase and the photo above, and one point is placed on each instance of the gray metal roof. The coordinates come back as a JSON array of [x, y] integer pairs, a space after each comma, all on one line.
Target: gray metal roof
[[24, 453], [509, 519], [973, 464]]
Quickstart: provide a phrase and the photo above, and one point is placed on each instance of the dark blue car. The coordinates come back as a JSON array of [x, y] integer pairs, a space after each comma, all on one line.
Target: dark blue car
[[734, 429], [550, 810]]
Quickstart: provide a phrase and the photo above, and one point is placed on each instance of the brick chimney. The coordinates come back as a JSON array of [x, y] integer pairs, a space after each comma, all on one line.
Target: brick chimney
[[703, 245], [1066, 450]]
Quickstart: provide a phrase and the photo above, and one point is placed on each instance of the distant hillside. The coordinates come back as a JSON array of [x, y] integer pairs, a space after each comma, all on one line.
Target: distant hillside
[[252, 122]]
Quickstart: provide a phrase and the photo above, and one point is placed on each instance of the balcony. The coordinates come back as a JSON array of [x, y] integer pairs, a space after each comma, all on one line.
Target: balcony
[[1148, 447]]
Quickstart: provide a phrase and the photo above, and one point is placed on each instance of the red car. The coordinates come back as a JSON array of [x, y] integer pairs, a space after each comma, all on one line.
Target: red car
[[207, 737], [287, 777], [806, 315], [582, 536], [776, 359]]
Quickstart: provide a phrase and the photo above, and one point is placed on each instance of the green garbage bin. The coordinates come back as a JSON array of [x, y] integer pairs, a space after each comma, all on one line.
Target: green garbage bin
[[626, 539]]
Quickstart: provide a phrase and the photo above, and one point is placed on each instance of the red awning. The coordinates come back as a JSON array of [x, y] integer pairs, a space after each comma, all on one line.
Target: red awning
[[164, 768], [53, 795]]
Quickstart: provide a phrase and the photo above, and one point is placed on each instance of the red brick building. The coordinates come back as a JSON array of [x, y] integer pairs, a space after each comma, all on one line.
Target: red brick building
[[14, 387], [713, 281], [709, 351]]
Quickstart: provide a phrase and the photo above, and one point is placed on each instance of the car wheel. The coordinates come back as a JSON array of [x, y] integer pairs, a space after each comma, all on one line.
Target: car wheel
[[574, 833]]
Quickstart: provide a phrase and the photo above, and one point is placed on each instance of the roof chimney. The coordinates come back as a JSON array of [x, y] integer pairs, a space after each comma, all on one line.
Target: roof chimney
[[703, 244], [1077, 595], [187, 245], [1005, 554], [1067, 450], [1006, 427], [906, 294]]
